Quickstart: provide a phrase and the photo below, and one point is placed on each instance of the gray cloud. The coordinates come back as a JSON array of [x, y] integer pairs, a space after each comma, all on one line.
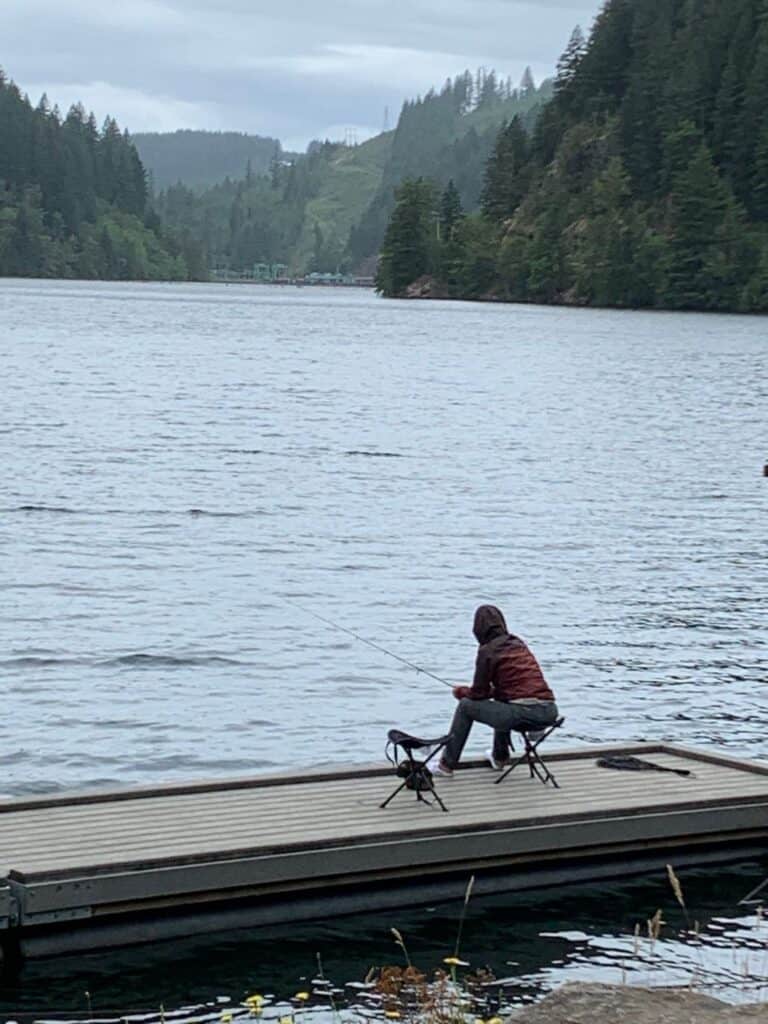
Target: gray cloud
[[295, 71]]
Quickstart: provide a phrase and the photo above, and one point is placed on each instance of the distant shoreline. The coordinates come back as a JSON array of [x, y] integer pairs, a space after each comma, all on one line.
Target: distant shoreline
[[359, 283]]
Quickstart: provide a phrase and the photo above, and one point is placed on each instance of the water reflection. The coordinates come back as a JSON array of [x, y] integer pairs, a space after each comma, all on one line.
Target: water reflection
[[530, 943]]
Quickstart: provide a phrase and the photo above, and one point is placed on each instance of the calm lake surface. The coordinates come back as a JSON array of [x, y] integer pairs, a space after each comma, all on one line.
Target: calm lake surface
[[180, 462]]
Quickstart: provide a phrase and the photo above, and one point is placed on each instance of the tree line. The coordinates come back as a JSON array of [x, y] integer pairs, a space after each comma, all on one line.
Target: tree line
[[327, 209], [74, 199], [200, 159], [643, 183]]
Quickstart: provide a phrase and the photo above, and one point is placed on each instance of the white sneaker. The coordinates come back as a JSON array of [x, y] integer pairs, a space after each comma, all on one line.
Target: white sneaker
[[442, 771], [497, 766]]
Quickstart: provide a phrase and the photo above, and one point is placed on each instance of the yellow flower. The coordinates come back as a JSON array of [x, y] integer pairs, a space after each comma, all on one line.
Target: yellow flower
[[453, 961], [495, 1020], [392, 1014], [226, 1018], [303, 996], [286, 1020]]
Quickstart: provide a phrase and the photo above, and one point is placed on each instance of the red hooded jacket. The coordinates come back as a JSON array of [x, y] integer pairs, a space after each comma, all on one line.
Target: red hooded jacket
[[505, 668]]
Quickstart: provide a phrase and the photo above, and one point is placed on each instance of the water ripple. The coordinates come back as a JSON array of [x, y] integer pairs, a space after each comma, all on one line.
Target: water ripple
[[597, 474]]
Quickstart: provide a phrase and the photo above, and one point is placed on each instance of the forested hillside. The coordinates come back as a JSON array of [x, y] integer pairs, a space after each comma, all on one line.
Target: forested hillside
[[201, 159], [327, 210], [643, 183], [447, 136], [299, 216], [73, 200]]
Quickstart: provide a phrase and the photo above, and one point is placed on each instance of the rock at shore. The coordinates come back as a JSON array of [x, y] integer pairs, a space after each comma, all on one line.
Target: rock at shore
[[425, 288], [624, 1004]]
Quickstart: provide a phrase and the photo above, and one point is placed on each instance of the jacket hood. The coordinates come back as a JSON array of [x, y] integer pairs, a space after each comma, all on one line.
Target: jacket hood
[[489, 623]]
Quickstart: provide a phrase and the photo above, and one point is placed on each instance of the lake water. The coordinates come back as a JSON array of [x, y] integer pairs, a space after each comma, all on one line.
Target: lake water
[[183, 463]]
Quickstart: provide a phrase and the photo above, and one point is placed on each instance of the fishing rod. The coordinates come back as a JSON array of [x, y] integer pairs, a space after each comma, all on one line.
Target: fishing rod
[[370, 643]]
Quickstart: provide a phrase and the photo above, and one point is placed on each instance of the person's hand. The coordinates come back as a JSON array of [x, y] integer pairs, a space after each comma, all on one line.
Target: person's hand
[[459, 692]]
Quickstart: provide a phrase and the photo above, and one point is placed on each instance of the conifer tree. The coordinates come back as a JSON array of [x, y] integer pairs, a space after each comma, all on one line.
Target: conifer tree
[[409, 246], [703, 219], [506, 173], [451, 212], [527, 83], [753, 170], [568, 64]]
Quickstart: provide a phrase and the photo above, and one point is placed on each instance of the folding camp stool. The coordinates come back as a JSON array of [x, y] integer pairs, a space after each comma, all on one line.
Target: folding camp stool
[[415, 774], [531, 755]]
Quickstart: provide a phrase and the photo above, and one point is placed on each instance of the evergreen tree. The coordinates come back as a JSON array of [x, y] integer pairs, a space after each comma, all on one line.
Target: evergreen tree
[[703, 222], [506, 174], [410, 243], [568, 64], [642, 127], [27, 243], [527, 83], [755, 295], [472, 259], [753, 150], [451, 212], [451, 250]]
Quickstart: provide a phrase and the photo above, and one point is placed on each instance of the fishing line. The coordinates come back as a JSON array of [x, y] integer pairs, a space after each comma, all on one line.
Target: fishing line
[[370, 643]]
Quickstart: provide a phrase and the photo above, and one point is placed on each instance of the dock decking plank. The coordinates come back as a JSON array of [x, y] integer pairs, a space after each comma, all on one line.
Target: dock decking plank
[[157, 838], [306, 811]]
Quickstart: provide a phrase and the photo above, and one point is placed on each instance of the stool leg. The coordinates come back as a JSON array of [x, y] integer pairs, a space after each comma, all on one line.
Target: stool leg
[[433, 791], [529, 756], [435, 794], [402, 785], [392, 796], [510, 769], [548, 776]]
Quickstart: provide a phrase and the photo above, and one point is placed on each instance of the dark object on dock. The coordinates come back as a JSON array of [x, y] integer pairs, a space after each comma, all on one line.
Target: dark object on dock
[[416, 775], [635, 764], [765, 469], [85, 871], [533, 738]]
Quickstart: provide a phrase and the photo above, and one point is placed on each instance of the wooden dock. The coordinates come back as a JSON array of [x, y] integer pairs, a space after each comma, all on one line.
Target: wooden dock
[[89, 870]]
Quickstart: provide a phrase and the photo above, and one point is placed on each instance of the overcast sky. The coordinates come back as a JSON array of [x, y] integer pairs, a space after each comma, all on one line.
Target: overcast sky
[[295, 70]]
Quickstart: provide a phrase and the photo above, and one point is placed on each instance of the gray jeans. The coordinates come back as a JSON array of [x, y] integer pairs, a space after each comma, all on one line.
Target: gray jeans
[[501, 717]]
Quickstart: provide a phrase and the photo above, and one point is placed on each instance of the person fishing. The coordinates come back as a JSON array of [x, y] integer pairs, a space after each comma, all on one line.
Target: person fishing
[[509, 691]]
